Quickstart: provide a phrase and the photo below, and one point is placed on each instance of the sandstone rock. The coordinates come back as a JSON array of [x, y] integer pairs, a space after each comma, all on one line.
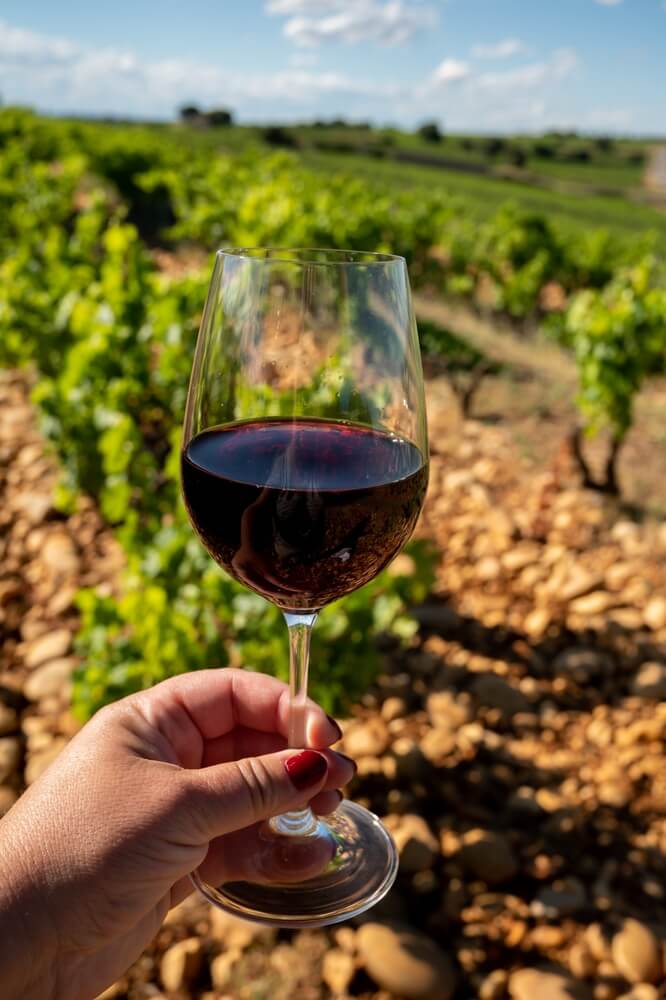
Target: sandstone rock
[[488, 569], [237, 934], [33, 506], [437, 744], [594, 603], [494, 985], [51, 678], [536, 622], [10, 756], [654, 613], [582, 963], [598, 943], [181, 964], [534, 984], [9, 719], [369, 738], [393, 708], [337, 970], [636, 952], [643, 991], [488, 856], [59, 554], [47, 647], [650, 681], [446, 711], [579, 581], [417, 845], [222, 968], [495, 692], [406, 962], [580, 663]]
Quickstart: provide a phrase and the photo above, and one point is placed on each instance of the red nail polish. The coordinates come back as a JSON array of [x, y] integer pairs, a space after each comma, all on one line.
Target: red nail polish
[[306, 768], [335, 726]]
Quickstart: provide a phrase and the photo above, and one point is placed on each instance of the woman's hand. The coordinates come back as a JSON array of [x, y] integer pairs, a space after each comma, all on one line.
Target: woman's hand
[[157, 785]]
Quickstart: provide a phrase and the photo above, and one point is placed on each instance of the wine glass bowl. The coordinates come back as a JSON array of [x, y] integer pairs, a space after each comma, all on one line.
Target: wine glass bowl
[[304, 469]]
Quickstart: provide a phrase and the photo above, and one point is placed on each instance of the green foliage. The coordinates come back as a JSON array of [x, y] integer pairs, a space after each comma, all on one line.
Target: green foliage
[[618, 336]]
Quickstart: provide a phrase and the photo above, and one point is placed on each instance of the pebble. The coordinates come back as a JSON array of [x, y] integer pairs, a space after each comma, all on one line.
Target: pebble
[[494, 985], [654, 613], [222, 968], [51, 678], [534, 984], [48, 647], [437, 744], [10, 756], [592, 604], [636, 952], [59, 554], [181, 964], [406, 962], [650, 681], [581, 961], [9, 720], [580, 663], [643, 991], [369, 738], [488, 856], [237, 934], [495, 692], [445, 711], [393, 708], [338, 970], [417, 846]]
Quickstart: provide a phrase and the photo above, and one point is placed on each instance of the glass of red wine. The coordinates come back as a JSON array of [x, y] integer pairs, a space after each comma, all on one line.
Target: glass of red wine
[[304, 469]]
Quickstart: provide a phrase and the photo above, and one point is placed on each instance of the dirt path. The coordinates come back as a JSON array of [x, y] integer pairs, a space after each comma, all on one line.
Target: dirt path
[[654, 180]]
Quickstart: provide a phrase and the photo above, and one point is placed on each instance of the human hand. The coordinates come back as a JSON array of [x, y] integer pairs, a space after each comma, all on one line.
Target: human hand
[[153, 787]]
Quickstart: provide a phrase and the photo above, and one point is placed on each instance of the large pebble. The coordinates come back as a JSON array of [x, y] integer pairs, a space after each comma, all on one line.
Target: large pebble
[[654, 613], [417, 846], [534, 984], [446, 711], [636, 952], [51, 678], [650, 681], [9, 719], [10, 756], [181, 964], [495, 692], [581, 663], [47, 647], [406, 962], [337, 970], [59, 554], [367, 739], [488, 856]]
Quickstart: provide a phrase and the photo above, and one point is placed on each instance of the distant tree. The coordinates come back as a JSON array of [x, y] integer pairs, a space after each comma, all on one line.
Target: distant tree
[[430, 132], [219, 116], [517, 156], [494, 146], [276, 135], [605, 144], [189, 113], [543, 149]]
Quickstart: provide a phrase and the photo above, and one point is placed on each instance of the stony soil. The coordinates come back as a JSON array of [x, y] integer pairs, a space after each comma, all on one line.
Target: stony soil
[[516, 751]]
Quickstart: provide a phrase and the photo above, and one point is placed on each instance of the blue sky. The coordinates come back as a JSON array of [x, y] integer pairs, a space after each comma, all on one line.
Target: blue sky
[[476, 65]]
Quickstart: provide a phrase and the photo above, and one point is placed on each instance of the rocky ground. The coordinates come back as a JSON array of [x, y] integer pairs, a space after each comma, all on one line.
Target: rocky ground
[[516, 751]]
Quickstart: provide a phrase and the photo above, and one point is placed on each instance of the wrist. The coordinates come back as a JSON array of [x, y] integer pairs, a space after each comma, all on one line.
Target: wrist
[[28, 946]]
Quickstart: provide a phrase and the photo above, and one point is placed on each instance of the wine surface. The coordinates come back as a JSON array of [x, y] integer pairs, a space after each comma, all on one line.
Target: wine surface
[[302, 511]]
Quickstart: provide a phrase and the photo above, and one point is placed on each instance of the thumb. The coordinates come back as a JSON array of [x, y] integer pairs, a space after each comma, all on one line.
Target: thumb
[[228, 797]]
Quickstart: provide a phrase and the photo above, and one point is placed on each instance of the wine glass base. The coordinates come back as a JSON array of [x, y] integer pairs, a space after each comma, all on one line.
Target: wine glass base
[[361, 872]]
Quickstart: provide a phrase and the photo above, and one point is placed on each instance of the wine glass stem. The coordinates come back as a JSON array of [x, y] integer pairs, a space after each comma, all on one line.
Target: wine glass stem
[[298, 822]]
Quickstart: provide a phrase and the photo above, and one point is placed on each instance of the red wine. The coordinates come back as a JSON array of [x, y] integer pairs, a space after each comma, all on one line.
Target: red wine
[[302, 511]]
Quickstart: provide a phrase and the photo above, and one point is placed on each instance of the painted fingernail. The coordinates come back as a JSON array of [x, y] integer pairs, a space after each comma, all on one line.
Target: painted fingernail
[[306, 768], [348, 760], [335, 726]]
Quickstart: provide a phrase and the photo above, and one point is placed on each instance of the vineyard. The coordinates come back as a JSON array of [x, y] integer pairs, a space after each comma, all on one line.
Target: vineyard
[[525, 613]]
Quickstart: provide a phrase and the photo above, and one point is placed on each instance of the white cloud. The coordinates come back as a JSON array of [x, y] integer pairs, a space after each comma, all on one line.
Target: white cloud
[[311, 22], [450, 71], [62, 75], [499, 50], [558, 67]]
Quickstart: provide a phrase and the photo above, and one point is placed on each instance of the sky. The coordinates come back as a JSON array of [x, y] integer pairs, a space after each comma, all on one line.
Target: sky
[[472, 65]]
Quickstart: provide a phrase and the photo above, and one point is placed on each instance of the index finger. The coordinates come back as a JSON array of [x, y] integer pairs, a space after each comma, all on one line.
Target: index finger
[[214, 702]]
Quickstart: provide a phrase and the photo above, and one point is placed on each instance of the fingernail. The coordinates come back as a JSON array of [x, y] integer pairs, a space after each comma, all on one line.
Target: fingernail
[[335, 726], [349, 760], [306, 768]]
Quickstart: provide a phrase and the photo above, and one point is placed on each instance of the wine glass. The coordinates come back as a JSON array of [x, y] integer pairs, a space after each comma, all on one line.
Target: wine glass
[[304, 468]]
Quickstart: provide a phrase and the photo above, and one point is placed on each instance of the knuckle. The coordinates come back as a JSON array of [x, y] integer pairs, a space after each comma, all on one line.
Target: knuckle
[[258, 784]]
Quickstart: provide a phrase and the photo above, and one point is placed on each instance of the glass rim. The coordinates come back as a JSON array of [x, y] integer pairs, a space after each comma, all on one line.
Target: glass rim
[[332, 256]]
